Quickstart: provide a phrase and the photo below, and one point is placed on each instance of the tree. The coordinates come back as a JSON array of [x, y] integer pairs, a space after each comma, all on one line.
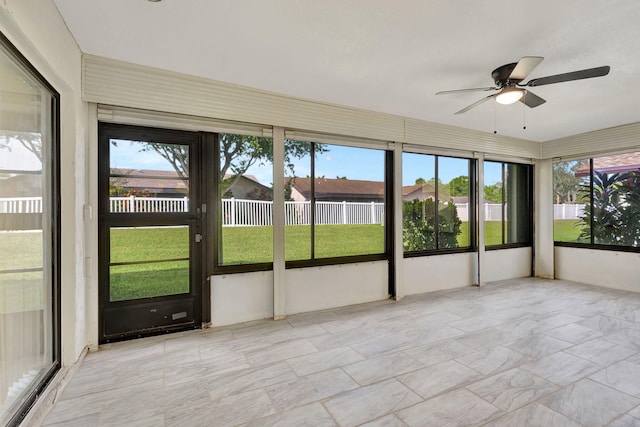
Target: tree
[[420, 181], [566, 185], [493, 193], [616, 209], [237, 154], [29, 140], [459, 186]]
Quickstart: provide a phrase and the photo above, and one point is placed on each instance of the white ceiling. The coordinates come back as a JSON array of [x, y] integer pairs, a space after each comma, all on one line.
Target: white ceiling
[[388, 56]]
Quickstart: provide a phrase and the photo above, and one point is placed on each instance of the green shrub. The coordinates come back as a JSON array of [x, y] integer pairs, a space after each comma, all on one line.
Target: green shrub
[[419, 219]]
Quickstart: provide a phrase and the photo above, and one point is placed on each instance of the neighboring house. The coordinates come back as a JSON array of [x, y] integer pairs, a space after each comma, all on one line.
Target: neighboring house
[[151, 183], [353, 190], [618, 163], [21, 185], [248, 187], [336, 190], [157, 183], [418, 191]]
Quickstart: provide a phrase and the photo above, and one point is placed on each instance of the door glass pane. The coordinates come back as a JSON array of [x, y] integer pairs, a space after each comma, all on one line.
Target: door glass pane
[[148, 262], [148, 177], [26, 235]]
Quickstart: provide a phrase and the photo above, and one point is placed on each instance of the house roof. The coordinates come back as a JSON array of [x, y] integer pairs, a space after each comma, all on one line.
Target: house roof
[[155, 181], [353, 188], [159, 181], [328, 187], [617, 163]]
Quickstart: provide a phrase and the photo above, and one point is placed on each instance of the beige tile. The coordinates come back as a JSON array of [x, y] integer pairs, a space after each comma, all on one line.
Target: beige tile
[[512, 389], [366, 362], [388, 421], [623, 376], [590, 403], [493, 360], [431, 381], [281, 351], [562, 368], [381, 368], [534, 415], [229, 411], [313, 415], [371, 402], [323, 360], [249, 379], [457, 408], [310, 388]]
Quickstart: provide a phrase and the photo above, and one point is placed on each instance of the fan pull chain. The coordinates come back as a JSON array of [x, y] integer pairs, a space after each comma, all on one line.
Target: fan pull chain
[[495, 120], [524, 112]]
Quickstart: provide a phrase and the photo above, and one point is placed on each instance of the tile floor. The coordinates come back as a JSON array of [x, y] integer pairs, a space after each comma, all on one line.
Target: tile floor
[[514, 353]]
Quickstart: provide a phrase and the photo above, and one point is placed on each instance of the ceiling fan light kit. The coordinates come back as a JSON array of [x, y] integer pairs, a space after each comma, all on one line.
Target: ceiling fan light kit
[[509, 95], [508, 78]]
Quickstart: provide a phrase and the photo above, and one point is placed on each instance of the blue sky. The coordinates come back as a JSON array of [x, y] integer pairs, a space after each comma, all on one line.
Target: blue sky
[[354, 163]]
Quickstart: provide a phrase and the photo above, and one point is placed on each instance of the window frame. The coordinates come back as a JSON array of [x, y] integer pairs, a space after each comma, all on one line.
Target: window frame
[[472, 214], [591, 244], [388, 219], [213, 226], [22, 410]]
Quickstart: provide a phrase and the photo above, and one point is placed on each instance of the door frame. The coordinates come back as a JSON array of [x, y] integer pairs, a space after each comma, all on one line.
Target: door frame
[[195, 218]]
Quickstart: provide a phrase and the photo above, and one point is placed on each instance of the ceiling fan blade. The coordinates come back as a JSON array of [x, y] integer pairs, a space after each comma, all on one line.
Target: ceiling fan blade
[[524, 67], [567, 77], [477, 89], [475, 104], [531, 100]]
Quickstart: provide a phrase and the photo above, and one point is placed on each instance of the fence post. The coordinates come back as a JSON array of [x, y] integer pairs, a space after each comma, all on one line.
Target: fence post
[[373, 213], [487, 217], [132, 201], [344, 211], [564, 211], [233, 211]]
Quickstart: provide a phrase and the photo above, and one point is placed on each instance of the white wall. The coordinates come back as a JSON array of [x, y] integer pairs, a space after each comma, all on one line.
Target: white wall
[[618, 270], [438, 272], [503, 264], [317, 288], [241, 297], [37, 30]]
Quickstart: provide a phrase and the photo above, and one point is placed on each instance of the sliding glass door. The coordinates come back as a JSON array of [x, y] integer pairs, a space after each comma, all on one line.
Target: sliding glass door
[[29, 230]]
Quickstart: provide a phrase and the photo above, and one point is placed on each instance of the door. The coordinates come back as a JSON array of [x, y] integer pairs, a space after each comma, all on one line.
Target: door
[[150, 231]]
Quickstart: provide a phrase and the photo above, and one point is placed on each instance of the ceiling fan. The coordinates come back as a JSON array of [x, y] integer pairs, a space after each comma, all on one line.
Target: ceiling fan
[[508, 80]]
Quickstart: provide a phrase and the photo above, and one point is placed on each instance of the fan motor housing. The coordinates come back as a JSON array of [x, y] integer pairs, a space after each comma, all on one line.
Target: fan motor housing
[[501, 75]]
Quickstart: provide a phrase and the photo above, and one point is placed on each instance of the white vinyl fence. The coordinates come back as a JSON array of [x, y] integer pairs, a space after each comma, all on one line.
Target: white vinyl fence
[[568, 211], [239, 212], [148, 204], [13, 205]]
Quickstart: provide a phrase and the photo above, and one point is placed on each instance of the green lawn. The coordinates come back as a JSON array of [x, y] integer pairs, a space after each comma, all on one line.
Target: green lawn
[[241, 245], [567, 230], [21, 291]]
